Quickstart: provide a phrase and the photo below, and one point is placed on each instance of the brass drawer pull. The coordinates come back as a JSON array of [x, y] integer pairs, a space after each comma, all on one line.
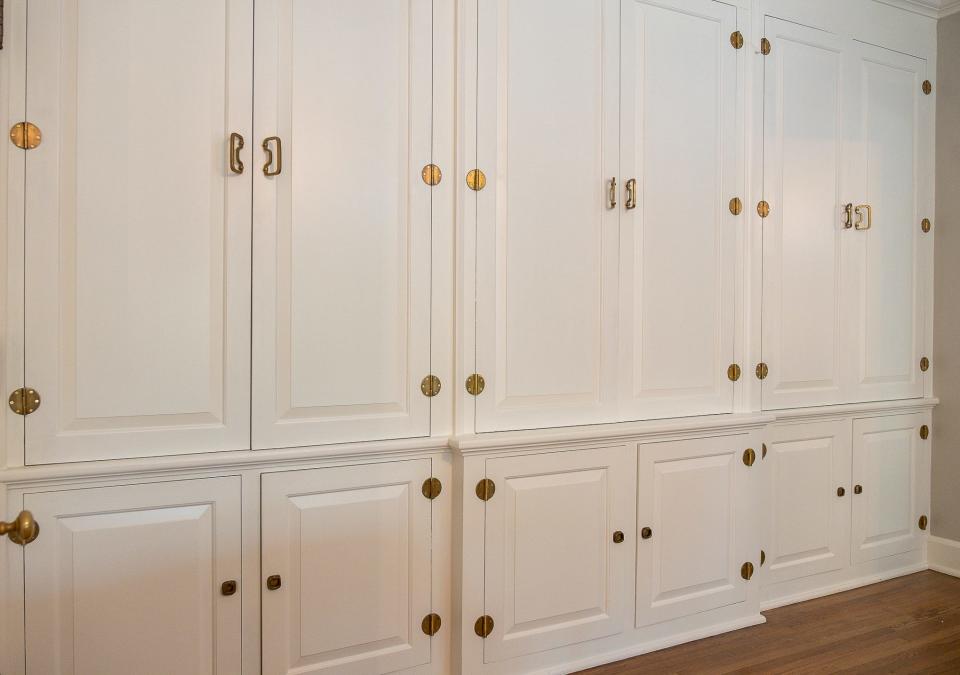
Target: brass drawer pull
[[631, 194], [267, 170], [236, 145], [612, 195], [859, 211]]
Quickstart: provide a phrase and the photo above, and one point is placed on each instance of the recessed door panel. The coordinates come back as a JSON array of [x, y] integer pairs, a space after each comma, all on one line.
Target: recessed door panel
[[808, 121], [889, 464], [693, 497], [342, 282], [810, 519], [351, 546], [546, 134], [554, 574], [139, 332], [681, 149], [888, 338], [127, 580]]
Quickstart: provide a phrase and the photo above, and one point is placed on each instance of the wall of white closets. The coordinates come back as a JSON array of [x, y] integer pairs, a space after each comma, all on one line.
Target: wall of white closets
[[455, 336]]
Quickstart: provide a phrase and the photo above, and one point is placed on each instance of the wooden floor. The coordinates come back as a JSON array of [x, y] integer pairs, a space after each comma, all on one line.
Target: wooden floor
[[906, 625]]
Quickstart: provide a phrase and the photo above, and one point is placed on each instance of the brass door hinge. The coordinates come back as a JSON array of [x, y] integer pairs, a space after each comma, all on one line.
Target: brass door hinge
[[733, 372], [924, 432], [764, 46], [925, 225], [763, 209], [25, 135], [430, 386], [736, 39], [736, 206], [431, 175], [24, 401], [924, 364], [763, 451], [432, 487], [475, 384], [923, 522], [431, 624], [483, 626], [485, 489], [749, 456], [476, 180], [763, 557], [762, 371], [746, 570], [927, 87]]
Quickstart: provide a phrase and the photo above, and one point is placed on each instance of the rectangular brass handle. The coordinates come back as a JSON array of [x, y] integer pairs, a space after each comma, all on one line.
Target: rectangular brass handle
[[847, 216], [859, 211], [631, 194], [236, 145], [267, 171], [612, 195]]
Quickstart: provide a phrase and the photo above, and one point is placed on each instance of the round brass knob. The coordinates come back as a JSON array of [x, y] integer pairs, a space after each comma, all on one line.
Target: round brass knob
[[646, 533], [857, 489], [841, 492], [618, 537], [274, 582], [22, 530]]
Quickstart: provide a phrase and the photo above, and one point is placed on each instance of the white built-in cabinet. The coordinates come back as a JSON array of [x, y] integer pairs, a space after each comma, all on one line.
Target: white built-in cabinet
[[844, 294], [605, 252]]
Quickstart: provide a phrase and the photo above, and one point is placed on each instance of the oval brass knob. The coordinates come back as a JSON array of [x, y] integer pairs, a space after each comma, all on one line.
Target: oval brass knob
[[841, 491], [22, 530], [228, 587], [646, 533], [274, 582], [618, 537], [857, 489]]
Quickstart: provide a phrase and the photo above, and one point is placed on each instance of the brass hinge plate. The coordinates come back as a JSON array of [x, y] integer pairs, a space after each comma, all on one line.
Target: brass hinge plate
[[475, 384], [432, 487], [925, 225], [483, 626], [927, 87], [736, 39], [762, 371], [431, 175], [736, 206], [764, 46], [476, 180], [924, 432], [923, 522], [485, 489], [763, 557], [924, 364], [430, 386], [431, 624], [749, 456], [733, 372], [25, 135], [763, 451], [24, 401], [746, 571], [763, 209]]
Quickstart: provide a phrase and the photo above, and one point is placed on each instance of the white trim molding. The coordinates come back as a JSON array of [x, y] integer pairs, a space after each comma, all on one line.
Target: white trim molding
[[943, 555], [935, 9]]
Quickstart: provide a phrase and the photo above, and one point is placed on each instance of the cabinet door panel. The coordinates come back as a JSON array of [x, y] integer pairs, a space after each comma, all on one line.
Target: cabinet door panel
[[546, 238], [810, 522], [891, 463], [808, 114], [681, 143], [139, 334], [127, 580], [693, 495], [888, 336], [342, 284], [352, 548], [554, 576]]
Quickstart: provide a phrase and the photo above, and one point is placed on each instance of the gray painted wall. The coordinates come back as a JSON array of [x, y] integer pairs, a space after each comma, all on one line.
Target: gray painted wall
[[945, 512]]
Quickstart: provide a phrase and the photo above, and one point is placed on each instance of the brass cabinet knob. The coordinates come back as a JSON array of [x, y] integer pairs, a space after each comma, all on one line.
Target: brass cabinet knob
[[228, 587], [21, 530], [841, 491], [857, 489], [618, 537], [646, 533], [274, 582]]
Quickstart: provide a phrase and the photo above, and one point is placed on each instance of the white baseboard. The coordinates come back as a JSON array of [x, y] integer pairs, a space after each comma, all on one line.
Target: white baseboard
[[845, 585], [943, 555]]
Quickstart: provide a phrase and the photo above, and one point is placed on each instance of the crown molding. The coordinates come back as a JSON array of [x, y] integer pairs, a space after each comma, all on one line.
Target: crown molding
[[935, 9]]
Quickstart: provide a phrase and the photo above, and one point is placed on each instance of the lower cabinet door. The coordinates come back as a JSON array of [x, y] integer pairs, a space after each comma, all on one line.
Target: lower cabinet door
[[810, 497], [696, 526], [891, 485], [128, 580], [346, 566], [557, 571]]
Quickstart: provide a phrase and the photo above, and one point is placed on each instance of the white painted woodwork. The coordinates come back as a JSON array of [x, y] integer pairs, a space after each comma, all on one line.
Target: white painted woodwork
[[695, 497], [681, 143], [809, 521], [137, 245], [553, 575], [546, 135], [808, 119], [352, 547], [127, 580], [341, 285], [892, 464], [888, 337]]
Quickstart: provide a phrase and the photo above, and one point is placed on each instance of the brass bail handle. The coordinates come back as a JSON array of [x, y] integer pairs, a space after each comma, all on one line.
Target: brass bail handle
[[267, 170], [21, 530], [860, 225]]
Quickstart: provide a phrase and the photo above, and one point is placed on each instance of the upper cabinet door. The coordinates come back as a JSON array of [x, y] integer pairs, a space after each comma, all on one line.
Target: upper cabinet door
[[808, 113], [341, 284], [547, 220], [891, 165], [137, 233], [681, 151]]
